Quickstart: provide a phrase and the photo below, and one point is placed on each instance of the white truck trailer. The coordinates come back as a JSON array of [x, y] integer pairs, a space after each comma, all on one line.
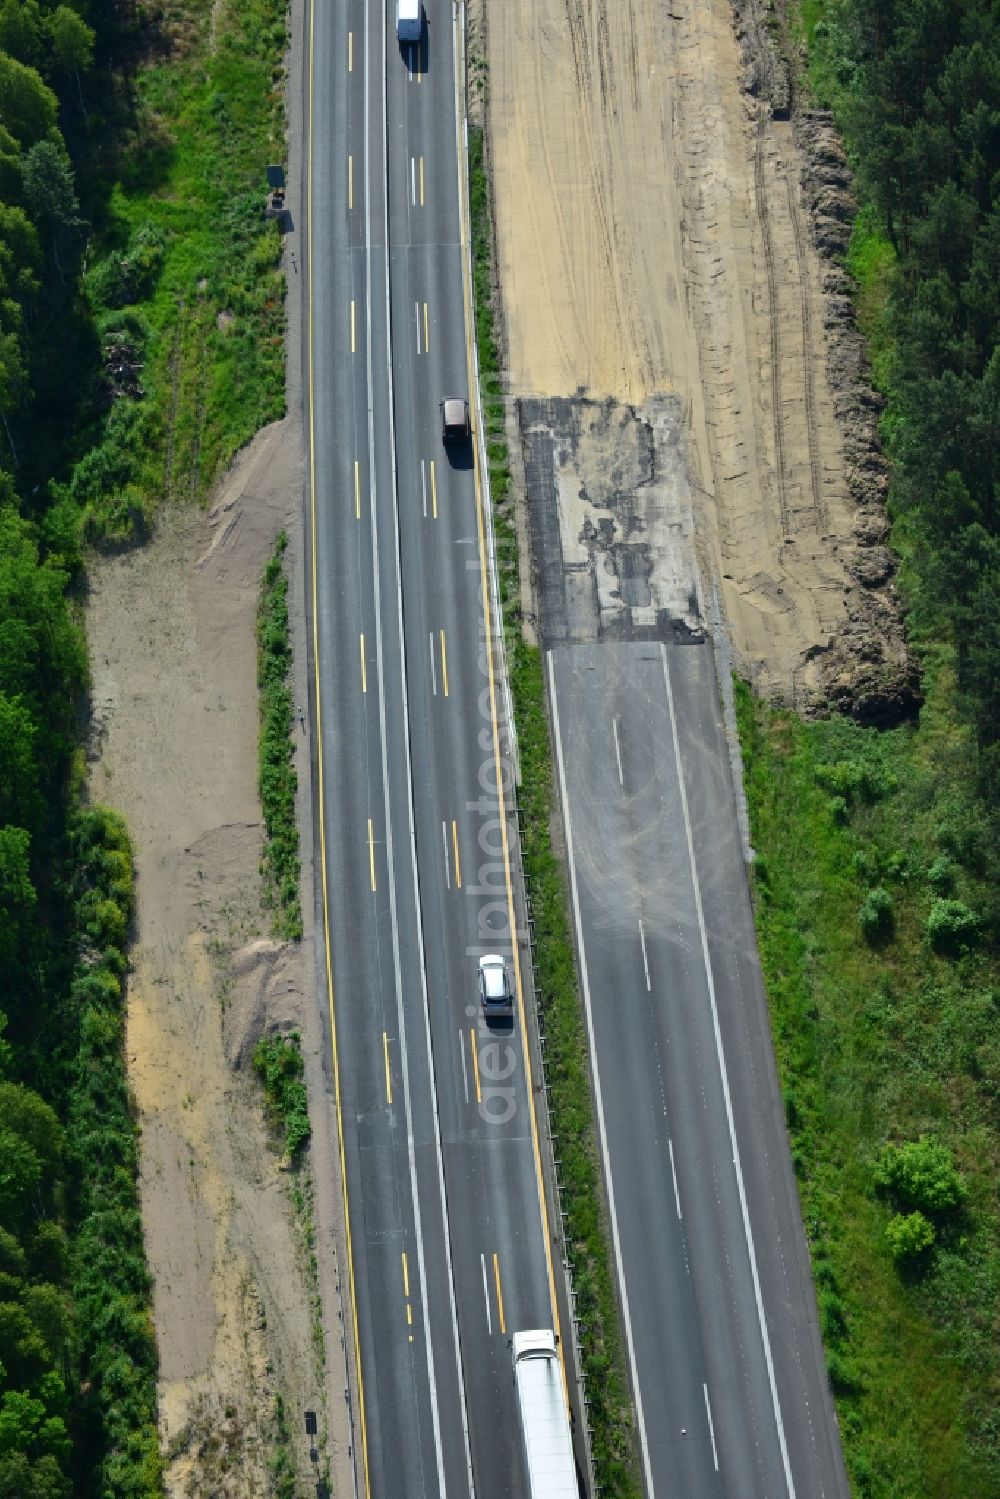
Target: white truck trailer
[[541, 1399]]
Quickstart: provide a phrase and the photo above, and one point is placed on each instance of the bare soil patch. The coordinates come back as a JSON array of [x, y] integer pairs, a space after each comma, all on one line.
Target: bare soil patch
[[656, 245], [174, 747]]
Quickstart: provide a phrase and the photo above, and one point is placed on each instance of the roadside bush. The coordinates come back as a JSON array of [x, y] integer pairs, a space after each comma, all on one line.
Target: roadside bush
[[857, 782], [922, 1175], [277, 1061], [876, 916], [951, 927], [123, 277], [908, 1235], [277, 780]]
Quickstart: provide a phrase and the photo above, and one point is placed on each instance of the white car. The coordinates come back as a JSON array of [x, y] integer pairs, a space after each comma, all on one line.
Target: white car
[[494, 986]]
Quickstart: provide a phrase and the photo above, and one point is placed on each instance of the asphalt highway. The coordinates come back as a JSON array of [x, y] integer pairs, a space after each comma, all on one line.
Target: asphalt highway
[[450, 1248], [721, 1329]]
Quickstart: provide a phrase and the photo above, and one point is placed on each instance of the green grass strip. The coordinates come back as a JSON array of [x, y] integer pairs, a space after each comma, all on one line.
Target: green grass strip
[[277, 779], [886, 1035], [566, 1061]]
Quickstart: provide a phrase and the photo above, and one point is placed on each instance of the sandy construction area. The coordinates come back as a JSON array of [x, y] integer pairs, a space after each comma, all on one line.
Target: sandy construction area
[[655, 250], [171, 629]]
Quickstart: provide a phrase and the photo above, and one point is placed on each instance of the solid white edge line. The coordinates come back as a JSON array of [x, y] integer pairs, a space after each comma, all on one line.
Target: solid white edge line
[[711, 1427], [434, 680], [423, 483], [442, 1194], [602, 1132], [725, 1082], [447, 861]]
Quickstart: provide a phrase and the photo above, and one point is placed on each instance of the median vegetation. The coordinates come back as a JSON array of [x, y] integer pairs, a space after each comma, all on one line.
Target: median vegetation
[[277, 779], [566, 1066]]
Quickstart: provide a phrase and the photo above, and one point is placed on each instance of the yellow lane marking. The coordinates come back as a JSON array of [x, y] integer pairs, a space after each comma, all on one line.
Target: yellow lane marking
[[388, 1074], [496, 1277], [427, 336], [357, 490], [364, 667], [444, 664], [458, 862], [463, 177], [421, 182], [320, 778], [475, 1062], [353, 330], [371, 853], [350, 51], [434, 491], [406, 1275], [350, 182], [409, 1315]]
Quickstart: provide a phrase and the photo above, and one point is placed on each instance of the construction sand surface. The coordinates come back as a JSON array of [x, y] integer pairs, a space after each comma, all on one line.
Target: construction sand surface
[[655, 251], [172, 637]]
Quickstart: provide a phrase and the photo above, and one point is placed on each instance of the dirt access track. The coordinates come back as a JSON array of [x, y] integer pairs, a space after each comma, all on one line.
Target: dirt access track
[[657, 231]]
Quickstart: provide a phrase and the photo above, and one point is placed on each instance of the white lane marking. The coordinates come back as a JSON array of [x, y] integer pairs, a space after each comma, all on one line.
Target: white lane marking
[[618, 750], [447, 861], [465, 1070], [486, 1293], [423, 483], [673, 1172], [434, 677], [598, 1097], [413, 180], [442, 1200], [725, 1082], [711, 1428], [390, 855], [416, 314], [645, 960]]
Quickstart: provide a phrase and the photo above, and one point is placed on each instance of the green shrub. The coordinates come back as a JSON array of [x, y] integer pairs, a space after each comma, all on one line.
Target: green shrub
[[951, 927], [876, 915], [908, 1236], [123, 277], [922, 1175], [277, 779], [857, 782], [277, 1061], [941, 875], [838, 809]]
